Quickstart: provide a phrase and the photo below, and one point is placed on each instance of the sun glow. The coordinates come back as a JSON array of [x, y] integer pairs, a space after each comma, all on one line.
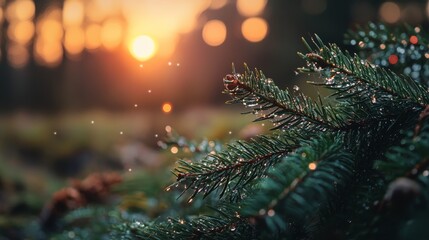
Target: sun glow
[[143, 48]]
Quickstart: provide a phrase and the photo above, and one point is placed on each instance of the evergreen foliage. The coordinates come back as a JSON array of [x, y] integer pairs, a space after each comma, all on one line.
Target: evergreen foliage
[[352, 165]]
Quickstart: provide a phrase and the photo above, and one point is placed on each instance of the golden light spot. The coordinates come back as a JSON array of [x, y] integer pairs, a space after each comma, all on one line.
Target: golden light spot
[[50, 29], [48, 52], [73, 13], [142, 48], [21, 32], [20, 10], [390, 12], [167, 107], [25, 10], [97, 10], [174, 150], [254, 29], [93, 36], [74, 40], [111, 33], [312, 166], [214, 33], [251, 8]]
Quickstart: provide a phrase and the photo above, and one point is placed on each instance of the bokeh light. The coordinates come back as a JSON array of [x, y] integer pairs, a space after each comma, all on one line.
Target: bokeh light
[[393, 59], [250, 8], [93, 36], [414, 39], [48, 49], [21, 31], [73, 12], [111, 33], [174, 150], [214, 33], [390, 12], [167, 107], [50, 29], [20, 10], [254, 29], [143, 48], [74, 40], [98, 10], [48, 52]]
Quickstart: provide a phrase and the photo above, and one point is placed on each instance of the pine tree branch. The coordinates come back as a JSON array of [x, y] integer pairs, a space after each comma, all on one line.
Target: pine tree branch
[[224, 226], [285, 109], [352, 76], [411, 158], [232, 169], [319, 169]]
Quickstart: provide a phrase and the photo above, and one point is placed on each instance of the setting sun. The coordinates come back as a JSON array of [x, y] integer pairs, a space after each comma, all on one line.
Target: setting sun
[[143, 48]]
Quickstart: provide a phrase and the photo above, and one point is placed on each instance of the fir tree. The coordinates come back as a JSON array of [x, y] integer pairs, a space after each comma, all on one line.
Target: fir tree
[[351, 165]]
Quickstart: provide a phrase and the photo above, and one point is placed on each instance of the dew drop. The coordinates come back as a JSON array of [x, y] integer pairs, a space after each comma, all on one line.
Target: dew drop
[[55, 133], [230, 132], [296, 88], [167, 189], [121, 132], [178, 64], [135, 105], [233, 228], [169, 63], [92, 122], [156, 135], [129, 169], [149, 91], [373, 99], [425, 173], [190, 200]]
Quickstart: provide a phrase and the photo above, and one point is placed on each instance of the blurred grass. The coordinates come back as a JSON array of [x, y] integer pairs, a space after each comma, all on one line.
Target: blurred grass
[[38, 153]]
